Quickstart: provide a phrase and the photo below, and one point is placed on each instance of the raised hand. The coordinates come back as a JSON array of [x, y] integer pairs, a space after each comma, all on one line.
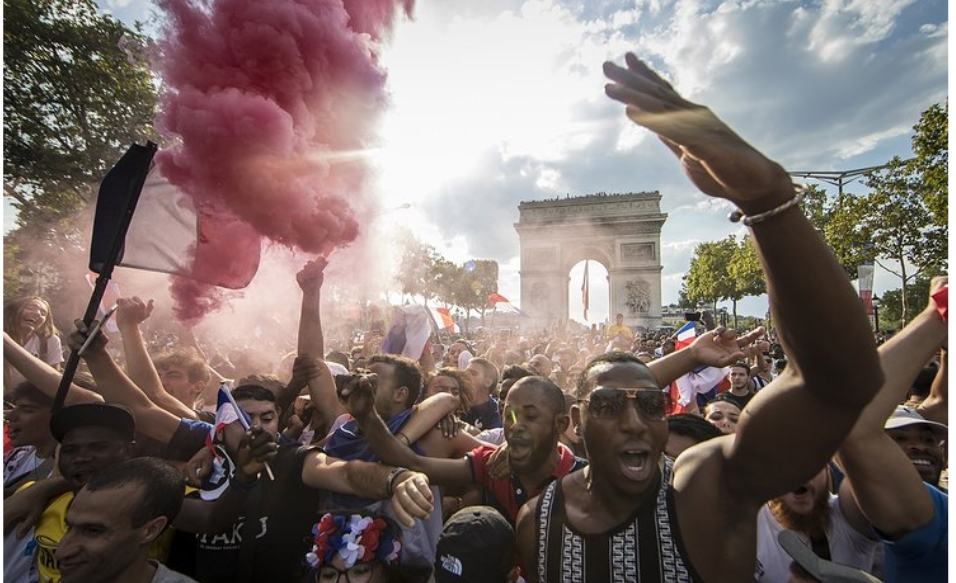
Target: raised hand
[[132, 311], [718, 161], [721, 347], [78, 337], [357, 394], [311, 276]]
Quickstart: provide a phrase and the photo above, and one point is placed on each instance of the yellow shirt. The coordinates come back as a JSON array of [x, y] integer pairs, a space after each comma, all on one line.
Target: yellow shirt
[[51, 528], [613, 330]]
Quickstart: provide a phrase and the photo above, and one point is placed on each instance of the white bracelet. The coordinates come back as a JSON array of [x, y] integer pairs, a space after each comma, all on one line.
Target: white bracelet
[[738, 216]]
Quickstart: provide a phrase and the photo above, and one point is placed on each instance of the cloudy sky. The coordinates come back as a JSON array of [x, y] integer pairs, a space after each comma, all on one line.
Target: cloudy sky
[[500, 101]]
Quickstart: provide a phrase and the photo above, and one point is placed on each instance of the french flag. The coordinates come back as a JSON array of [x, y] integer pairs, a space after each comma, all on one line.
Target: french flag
[[685, 336], [226, 412]]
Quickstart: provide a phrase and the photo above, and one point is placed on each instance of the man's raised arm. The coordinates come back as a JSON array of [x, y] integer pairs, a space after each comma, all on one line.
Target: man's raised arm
[[887, 487], [310, 367], [130, 313], [776, 446], [151, 420]]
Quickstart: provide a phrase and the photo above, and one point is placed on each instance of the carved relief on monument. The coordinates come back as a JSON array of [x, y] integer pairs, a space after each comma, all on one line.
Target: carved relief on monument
[[638, 296], [637, 251], [541, 257], [540, 295]]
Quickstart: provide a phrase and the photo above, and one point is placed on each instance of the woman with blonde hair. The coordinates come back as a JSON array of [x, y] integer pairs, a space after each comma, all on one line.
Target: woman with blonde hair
[[29, 323]]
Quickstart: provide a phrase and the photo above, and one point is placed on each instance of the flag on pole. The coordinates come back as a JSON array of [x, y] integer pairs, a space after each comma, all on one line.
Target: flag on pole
[[226, 413], [168, 235], [585, 290], [502, 304]]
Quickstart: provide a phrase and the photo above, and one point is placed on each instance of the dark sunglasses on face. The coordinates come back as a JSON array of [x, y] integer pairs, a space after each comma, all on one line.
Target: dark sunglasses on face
[[609, 402]]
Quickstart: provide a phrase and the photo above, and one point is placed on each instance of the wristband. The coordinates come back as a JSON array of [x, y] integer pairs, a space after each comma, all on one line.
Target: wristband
[[390, 480]]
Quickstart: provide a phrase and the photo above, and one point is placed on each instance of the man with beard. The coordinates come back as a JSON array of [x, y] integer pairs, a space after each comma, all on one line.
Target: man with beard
[[634, 514], [832, 525], [534, 419]]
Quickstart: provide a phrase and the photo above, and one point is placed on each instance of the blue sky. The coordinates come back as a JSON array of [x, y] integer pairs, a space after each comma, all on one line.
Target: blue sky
[[500, 101]]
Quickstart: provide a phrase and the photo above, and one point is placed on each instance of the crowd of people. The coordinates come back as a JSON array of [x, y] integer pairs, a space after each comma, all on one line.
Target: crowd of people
[[619, 455]]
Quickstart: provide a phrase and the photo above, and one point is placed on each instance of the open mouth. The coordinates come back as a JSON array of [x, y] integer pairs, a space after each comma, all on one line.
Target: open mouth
[[634, 463], [801, 491]]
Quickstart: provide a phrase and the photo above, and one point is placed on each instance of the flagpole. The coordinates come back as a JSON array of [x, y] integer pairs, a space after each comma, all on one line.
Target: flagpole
[[106, 269]]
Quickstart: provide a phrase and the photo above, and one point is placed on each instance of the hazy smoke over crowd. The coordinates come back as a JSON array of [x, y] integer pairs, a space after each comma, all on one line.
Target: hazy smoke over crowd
[[269, 104]]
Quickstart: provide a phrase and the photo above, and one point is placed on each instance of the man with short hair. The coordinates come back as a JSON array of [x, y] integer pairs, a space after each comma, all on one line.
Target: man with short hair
[[535, 417], [28, 424], [701, 513], [115, 518], [484, 412], [619, 329], [540, 365], [739, 393]]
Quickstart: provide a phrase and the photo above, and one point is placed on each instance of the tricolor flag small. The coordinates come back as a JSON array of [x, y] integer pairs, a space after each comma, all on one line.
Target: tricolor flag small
[[685, 336], [226, 412]]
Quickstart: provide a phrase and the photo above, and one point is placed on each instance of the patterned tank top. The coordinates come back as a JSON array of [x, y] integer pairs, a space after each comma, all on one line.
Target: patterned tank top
[[646, 547]]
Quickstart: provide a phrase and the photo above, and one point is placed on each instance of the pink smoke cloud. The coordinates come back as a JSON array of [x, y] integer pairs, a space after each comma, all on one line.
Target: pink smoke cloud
[[260, 98]]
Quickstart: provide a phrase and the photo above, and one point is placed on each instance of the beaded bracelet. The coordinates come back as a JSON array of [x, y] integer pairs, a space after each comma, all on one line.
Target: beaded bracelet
[[738, 216]]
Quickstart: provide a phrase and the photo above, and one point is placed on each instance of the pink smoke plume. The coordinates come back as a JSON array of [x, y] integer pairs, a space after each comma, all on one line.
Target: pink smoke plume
[[268, 101]]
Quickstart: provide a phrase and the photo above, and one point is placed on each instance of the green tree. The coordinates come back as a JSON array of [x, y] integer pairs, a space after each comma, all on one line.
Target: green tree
[[707, 280], [891, 302], [838, 223], [477, 279], [73, 102], [931, 164], [744, 274], [900, 225]]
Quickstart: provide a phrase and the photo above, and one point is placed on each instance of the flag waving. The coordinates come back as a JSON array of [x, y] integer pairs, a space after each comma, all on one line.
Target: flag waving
[[685, 336], [226, 412], [500, 302]]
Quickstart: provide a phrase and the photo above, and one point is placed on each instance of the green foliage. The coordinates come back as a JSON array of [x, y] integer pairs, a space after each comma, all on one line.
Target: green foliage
[[891, 302], [838, 223], [931, 164], [73, 102], [723, 270]]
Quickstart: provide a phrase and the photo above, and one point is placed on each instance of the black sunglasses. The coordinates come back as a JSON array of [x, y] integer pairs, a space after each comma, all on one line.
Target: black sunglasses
[[609, 402]]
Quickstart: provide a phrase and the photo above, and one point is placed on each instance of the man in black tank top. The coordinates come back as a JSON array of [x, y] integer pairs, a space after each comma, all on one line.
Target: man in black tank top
[[634, 515]]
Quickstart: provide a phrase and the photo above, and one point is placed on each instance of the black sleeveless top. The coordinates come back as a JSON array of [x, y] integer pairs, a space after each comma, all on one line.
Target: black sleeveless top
[[646, 547]]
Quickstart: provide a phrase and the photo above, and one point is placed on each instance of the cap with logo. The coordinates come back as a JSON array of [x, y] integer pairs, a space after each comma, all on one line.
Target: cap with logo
[[469, 545], [904, 416]]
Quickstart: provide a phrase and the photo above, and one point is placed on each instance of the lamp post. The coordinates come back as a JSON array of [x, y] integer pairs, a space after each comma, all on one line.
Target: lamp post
[[876, 314]]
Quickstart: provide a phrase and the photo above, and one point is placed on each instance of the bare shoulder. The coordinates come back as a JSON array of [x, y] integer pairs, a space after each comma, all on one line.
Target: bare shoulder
[[707, 510]]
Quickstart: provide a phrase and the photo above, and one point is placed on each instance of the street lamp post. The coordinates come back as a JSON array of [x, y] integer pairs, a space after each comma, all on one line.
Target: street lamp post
[[876, 314]]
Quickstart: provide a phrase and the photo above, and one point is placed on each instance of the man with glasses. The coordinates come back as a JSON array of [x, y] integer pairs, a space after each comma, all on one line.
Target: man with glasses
[[634, 514]]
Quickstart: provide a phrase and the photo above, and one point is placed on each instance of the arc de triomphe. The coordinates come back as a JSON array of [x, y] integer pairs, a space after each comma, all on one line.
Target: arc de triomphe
[[621, 231]]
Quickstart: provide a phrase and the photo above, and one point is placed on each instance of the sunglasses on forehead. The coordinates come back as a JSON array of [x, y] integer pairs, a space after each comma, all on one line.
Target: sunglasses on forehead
[[609, 402]]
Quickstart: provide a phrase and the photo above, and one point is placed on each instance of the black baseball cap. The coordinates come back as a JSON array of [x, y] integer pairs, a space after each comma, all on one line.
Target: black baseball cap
[[116, 417], [477, 544]]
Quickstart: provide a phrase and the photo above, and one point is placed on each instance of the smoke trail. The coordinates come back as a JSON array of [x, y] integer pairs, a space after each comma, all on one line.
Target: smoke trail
[[259, 96]]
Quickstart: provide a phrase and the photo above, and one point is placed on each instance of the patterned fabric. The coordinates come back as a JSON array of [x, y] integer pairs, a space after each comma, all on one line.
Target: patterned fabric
[[643, 548]]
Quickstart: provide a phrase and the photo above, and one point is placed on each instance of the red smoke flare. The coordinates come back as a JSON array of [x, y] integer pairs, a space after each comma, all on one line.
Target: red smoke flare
[[259, 96]]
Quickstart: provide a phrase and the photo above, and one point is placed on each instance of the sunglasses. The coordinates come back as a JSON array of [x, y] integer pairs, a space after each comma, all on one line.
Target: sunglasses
[[609, 402]]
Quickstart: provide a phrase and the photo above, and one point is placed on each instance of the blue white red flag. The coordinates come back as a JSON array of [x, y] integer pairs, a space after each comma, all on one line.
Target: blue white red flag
[[226, 412], [685, 336]]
